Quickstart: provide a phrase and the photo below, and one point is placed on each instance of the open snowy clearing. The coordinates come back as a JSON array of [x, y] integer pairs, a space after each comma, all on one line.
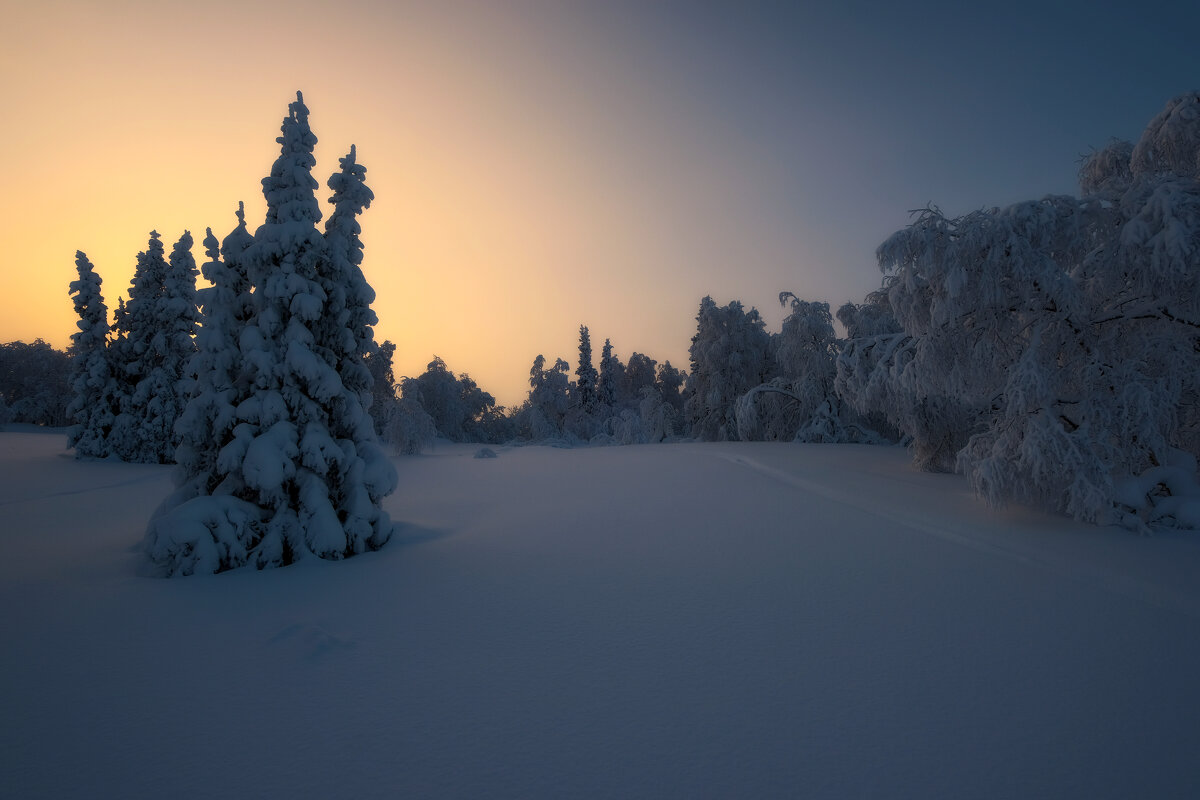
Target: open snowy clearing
[[699, 620]]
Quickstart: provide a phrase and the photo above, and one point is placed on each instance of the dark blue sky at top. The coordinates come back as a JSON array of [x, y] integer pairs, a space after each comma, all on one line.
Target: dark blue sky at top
[[868, 110]]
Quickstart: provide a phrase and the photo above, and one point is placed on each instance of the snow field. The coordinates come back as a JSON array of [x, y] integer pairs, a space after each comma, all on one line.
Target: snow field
[[698, 620]]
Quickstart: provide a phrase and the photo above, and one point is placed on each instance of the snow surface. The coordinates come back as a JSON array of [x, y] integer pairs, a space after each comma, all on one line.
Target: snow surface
[[695, 620]]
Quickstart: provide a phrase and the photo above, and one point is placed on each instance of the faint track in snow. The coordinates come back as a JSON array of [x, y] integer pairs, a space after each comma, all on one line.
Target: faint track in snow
[[988, 543], [68, 493]]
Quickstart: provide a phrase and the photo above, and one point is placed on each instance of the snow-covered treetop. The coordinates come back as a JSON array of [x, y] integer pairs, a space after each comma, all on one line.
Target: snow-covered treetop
[[1171, 142], [289, 190], [180, 279], [806, 343], [351, 196], [89, 305], [239, 238], [1106, 171]]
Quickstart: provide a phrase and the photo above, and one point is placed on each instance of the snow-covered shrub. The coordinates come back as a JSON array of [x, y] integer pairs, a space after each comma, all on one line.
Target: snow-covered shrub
[[1167, 495], [203, 535], [410, 429]]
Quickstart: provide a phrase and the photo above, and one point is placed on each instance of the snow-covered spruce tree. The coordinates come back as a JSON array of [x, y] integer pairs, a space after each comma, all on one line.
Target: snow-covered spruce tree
[[162, 325], [91, 408], [611, 370], [290, 486], [159, 397], [345, 335], [730, 353], [136, 350], [586, 375], [670, 382], [541, 417], [383, 386], [210, 415], [638, 375], [345, 284]]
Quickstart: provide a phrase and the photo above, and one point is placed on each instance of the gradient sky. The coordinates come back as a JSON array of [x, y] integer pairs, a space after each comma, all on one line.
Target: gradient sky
[[538, 165]]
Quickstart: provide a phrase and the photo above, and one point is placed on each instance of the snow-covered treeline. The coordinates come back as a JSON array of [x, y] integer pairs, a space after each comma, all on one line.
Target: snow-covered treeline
[[637, 402], [34, 383], [1050, 350]]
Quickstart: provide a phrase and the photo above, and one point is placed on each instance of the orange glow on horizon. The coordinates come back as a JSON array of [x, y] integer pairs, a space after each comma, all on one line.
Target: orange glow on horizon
[[511, 204]]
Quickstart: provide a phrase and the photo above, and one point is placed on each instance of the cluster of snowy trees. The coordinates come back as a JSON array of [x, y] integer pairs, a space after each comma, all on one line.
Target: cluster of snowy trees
[[618, 403], [257, 386], [751, 385], [34, 384], [128, 380], [1049, 351]]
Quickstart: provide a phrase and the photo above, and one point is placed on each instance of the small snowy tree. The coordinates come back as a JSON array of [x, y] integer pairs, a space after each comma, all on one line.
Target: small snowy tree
[[137, 351], [585, 373], [210, 415], [349, 336], [92, 402], [160, 396], [383, 386], [670, 382], [544, 412], [461, 411], [409, 429], [609, 378], [799, 403], [638, 375], [730, 353]]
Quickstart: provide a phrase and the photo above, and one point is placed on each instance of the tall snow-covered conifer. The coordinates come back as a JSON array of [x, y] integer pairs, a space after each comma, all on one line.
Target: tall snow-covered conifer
[[207, 422], [348, 335], [137, 350], [92, 405], [303, 473]]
